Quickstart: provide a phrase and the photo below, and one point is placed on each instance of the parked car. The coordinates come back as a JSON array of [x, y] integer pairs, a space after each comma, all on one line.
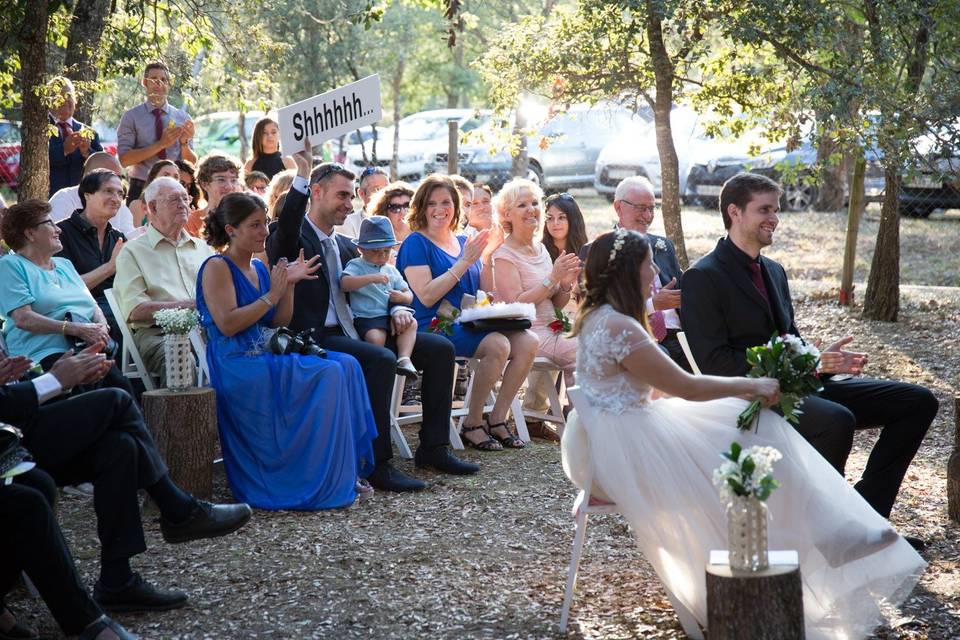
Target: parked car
[[571, 142], [220, 131], [933, 180], [420, 134], [636, 154], [10, 149]]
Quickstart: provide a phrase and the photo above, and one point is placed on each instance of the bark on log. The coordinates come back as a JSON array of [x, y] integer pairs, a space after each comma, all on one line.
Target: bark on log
[[762, 605], [953, 468], [184, 425]]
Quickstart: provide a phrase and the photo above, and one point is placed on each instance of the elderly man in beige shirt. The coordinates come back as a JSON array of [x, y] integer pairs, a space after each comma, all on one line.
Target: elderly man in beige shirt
[[159, 269]]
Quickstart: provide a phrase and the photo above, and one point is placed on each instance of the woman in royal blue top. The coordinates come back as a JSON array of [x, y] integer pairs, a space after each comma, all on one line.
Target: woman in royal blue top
[[296, 430], [440, 265]]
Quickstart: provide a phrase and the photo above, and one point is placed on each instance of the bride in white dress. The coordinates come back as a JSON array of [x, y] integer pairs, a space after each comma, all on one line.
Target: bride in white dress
[[655, 457]]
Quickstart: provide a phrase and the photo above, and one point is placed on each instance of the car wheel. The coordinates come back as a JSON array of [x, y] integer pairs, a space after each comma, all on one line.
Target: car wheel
[[609, 197], [798, 197]]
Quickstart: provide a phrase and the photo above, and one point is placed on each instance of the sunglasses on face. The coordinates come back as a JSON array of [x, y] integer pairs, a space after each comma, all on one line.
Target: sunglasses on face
[[397, 208]]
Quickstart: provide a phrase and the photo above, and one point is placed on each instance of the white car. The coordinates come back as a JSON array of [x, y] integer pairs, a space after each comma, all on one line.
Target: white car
[[637, 155], [421, 135]]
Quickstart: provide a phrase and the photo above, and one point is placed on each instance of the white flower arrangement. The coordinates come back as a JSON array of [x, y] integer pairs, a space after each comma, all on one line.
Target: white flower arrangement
[[747, 473], [797, 347], [661, 244], [176, 321]]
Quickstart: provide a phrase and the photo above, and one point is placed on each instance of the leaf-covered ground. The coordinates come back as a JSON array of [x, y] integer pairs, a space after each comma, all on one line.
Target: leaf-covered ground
[[486, 556]]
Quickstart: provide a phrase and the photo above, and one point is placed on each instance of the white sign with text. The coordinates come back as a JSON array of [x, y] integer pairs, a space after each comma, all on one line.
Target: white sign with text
[[329, 114]]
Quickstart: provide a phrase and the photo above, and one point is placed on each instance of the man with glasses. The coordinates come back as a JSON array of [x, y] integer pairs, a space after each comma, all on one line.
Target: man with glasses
[[321, 305], [74, 141], [159, 270], [154, 130], [372, 180], [67, 200], [217, 175], [636, 207]]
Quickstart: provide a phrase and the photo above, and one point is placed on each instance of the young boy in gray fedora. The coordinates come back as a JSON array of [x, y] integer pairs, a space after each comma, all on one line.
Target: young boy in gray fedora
[[374, 285]]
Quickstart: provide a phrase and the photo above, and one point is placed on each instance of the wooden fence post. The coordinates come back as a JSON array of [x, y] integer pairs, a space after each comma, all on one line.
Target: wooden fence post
[[953, 468], [453, 139]]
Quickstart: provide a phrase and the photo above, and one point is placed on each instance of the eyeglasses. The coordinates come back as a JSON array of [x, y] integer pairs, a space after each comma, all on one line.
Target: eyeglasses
[[397, 208], [181, 199], [53, 225], [369, 171], [221, 181], [117, 193], [642, 208], [325, 170]]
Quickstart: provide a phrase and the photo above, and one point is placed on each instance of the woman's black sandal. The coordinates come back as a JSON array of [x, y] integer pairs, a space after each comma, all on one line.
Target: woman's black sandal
[[509, 441], [484, 445]]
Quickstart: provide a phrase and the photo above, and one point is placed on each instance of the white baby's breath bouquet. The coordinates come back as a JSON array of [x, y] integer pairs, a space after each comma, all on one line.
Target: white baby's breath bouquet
[[176, 321], [746, 472]]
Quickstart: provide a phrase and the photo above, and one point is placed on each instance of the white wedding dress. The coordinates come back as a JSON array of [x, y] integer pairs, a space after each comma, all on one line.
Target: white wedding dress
[[655, 460]]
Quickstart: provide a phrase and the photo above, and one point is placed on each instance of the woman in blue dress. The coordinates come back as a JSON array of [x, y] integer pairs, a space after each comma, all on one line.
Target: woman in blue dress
[[440, 265], [296, 430]]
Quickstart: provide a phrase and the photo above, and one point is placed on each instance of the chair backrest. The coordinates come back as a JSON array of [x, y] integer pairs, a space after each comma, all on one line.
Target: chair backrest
[[587, 415], [199, 343], [131, 364], [682, 339]]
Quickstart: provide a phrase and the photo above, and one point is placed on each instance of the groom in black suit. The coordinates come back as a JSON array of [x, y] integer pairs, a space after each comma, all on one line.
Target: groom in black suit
[[319, 304], [734, 298], [636, 207]]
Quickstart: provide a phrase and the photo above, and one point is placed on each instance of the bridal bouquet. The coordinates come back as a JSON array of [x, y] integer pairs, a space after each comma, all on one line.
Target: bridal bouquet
[[791, 361]]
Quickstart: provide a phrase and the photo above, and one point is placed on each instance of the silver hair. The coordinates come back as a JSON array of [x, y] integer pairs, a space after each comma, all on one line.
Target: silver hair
[[509, 195], [639, 182], [165, 182]]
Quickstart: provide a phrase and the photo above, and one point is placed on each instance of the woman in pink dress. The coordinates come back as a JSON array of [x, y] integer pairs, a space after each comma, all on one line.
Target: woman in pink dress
[[526, 273]]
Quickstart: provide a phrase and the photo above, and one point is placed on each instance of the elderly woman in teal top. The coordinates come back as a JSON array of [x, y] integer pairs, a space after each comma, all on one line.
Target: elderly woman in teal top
[[46, 305], [440, 265]]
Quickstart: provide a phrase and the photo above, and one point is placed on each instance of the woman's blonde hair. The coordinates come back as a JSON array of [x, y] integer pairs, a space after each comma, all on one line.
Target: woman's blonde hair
[[278, 186], [509, 195]]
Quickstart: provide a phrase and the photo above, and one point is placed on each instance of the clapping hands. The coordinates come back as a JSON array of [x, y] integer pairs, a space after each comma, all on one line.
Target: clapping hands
[[301, 269], [834, 359], [566, 269], [13, 368]]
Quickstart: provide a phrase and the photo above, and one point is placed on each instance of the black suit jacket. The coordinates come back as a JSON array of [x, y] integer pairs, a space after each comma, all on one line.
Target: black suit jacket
[[665, 259], [66, 171], [18, 404], [723, 314]]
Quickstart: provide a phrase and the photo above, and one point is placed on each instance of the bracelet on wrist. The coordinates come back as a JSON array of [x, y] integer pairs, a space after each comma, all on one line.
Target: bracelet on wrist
[[63, 327], [265, 298], [566, 289]]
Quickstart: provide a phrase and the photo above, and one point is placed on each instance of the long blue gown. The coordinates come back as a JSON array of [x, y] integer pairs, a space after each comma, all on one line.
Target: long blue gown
[[296, 431]]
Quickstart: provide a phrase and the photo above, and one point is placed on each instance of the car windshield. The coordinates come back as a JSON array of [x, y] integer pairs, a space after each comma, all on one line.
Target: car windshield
[[423, 127]]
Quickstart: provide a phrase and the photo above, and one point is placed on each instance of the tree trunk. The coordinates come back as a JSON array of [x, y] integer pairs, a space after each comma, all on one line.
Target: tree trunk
[[732, 603], [184, 425], [669, 165], [83, 51], [854, 211], [396, 84], [34, 180], [520, 163], [830, 190], [242, 137], [882, 299], [953, 468], [455, 87]]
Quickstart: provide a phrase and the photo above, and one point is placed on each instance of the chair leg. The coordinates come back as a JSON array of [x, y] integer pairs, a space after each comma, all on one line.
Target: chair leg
[[578, 540], [519, 419], [455, 440], [396, 433]]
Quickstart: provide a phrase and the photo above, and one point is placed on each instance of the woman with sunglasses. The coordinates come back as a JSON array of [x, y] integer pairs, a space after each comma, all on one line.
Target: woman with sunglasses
[[393, 201], [49, 307], [266, 156], [564, 228]]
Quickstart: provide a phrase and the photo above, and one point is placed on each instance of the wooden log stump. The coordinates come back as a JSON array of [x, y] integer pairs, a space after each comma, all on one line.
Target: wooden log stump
[[754, 605], [953, 468], [184, 425]]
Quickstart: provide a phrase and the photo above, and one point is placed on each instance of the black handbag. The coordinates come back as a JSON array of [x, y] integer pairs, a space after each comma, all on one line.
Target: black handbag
[[12, 453], [109, 350], [284, 341], [497, 324]]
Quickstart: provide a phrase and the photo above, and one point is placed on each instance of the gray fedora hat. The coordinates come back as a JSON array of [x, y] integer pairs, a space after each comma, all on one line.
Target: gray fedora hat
[[376, 232]]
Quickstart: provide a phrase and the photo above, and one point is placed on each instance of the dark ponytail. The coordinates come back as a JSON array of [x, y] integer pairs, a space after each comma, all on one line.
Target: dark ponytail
[[233, 209]]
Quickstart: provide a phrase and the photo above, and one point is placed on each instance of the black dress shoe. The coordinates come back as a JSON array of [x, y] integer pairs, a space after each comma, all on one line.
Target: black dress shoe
[[104, 623], [441, 459], [137, 595], [206, 521], [386, 477], [917, 543]]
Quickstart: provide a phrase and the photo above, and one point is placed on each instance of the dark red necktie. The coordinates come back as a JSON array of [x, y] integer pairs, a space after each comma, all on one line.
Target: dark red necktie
[[757, 278], [158, 128], [65, 130]]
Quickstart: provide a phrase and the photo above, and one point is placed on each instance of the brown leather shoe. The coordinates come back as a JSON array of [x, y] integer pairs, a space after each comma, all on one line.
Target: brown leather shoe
[[543, 431]]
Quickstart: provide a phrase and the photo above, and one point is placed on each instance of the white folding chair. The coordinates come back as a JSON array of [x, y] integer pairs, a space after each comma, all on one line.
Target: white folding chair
[[459, 414], [546, 366], [131, 364], [199, 343], [401, 414], [682, 339], [582, 509]]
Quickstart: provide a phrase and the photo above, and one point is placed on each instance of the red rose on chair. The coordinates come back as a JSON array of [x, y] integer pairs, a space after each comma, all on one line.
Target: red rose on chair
[[561, 324]]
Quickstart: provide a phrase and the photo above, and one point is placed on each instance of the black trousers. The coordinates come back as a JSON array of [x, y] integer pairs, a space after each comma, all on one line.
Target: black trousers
[[32, 542], [113, 379], [671, 346], [432, 354], [903, 411], [100, 437]]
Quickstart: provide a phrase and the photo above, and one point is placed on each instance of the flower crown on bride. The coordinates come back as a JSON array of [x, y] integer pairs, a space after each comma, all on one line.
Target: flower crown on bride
[[618, 241]]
